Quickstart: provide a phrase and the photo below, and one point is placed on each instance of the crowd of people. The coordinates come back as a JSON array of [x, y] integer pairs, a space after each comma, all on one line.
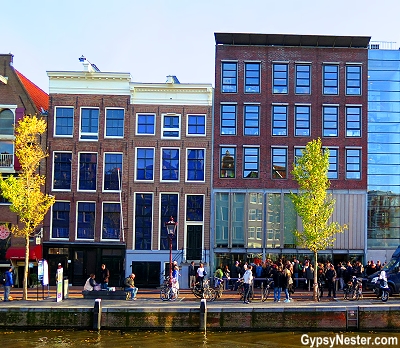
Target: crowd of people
[[288, 275]]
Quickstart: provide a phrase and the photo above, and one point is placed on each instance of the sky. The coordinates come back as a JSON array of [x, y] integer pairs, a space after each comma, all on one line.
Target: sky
[[151, 39]]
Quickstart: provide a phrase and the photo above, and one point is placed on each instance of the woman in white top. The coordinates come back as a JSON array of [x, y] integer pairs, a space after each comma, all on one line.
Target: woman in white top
[[201, 273]]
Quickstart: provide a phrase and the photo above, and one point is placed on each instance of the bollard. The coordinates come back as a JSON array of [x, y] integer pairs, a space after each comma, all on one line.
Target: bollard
[[97, 314], [203, 314]]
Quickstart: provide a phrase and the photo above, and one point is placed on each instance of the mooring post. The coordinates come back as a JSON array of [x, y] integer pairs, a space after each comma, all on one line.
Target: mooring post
[[97, 314], [203, 314]]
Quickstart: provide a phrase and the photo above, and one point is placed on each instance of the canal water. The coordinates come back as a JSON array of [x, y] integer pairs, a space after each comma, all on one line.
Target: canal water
[[187, 339]]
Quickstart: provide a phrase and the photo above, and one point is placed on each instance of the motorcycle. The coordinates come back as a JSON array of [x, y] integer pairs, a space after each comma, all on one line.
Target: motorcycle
[[381, 288]]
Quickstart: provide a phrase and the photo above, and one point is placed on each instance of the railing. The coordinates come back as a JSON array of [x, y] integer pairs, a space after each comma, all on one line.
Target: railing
[[6, 160], [382, 45]]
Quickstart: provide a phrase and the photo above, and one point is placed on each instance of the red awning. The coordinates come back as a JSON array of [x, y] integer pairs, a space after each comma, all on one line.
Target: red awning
[[18, 253]]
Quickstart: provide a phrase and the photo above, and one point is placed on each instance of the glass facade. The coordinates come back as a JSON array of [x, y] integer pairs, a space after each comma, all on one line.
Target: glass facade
[[383, 149]]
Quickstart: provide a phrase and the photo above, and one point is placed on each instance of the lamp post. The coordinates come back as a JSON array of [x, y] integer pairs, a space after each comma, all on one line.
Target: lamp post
[[171, 228]]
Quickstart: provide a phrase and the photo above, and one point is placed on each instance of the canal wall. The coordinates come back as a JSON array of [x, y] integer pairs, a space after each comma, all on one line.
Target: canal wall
[[362, 317]]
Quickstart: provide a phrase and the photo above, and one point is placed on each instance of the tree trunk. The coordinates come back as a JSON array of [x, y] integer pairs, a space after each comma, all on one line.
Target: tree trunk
[[26, 268], [315, 287]]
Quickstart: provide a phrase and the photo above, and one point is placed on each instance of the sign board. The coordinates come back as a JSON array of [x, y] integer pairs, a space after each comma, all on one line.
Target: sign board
[[59, 282]]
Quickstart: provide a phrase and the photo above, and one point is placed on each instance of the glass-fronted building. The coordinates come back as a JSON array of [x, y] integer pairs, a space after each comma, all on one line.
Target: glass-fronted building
[[383, 235]]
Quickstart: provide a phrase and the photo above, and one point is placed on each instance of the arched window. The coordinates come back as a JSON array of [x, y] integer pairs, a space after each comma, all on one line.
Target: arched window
[[6, 122]]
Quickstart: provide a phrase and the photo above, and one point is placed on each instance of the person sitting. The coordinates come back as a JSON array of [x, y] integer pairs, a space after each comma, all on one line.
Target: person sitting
[[91, 284], [130, 286]]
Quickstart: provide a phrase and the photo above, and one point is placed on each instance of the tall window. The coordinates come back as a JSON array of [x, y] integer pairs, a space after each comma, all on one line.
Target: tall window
[[143, 220], [330, 121], [145, 163], [60, 220], [298, 152], [353, 79], [251, 156], [353, 121], [89, 124], [62, 169], [252, 78], [228, 162], [115, 123], [171, 126], [111, 221], [279, 163], [169, 207], [280, 78], [87, 171], [86, 220], [112, 171], [170, 164], [331, 79], [302, 120], [303, 79], [333, 170], [251, 120], [6, 122], [279, 119], [64, 121], [194, 207], [145, 124], [229, 77], [228, 119], [195, 164], [196, 124], [353, 163]]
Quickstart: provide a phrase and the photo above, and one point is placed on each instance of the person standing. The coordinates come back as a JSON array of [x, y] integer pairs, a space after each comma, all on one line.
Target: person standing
[[330, 276], [201, 273], [226, 277], [235, 275], [247, 281], [192, 275], [105, 275], [278, 278], [130, 286], [8, 284]]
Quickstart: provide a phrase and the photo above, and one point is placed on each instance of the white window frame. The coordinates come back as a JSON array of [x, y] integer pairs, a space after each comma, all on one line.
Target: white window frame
[[161, 164], [137, 121], [79, 171], [52, 215], [77, 220], [104, 167], [136, 161], [105, 124], [187, 125], [80, 125], [55, 121], [102, 221], [187, 164], [152, 219], [52, 171], [163, 129]]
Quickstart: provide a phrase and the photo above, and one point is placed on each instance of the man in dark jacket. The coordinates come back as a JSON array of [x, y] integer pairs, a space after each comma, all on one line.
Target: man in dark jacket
[[330, 276], [105, 275]]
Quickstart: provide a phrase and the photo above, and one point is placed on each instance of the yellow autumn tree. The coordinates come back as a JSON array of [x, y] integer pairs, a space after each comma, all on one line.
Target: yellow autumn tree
[[24, 191], [313, 203]]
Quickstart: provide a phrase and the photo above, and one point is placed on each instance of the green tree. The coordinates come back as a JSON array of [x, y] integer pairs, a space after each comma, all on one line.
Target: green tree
[[312, 202], [24, 191]]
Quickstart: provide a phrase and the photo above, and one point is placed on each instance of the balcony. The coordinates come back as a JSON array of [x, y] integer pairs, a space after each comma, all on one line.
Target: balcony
[[6, 160]]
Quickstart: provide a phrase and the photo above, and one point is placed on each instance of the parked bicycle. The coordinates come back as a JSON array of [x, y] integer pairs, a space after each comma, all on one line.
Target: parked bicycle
[[353, 289], [168, 292], [219, 287], [206, 291], [268, 289]]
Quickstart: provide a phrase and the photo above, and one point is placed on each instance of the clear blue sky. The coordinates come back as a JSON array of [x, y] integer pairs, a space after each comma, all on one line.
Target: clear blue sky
[[151, 39]]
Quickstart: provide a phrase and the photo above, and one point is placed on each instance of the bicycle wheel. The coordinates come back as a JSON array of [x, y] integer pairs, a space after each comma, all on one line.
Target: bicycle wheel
[[197, 291], [353, 295], [319, 294], [209, 294]]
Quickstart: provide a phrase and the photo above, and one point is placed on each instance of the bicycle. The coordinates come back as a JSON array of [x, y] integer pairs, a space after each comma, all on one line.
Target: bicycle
[[168, 292], [353, 289], [319, 290], [205, 291], [219, 288], [267, 290]]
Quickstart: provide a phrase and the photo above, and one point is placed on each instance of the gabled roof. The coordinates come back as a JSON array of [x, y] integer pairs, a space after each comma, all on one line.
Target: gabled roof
[[38, 96]]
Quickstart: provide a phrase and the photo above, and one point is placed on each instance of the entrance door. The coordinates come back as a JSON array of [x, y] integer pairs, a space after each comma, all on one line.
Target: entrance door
[[83, 264], [194, 242]]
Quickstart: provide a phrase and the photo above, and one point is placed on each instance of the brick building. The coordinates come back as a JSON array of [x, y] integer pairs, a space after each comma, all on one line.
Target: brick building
[[18, 97], [125, 157], [273, 94]]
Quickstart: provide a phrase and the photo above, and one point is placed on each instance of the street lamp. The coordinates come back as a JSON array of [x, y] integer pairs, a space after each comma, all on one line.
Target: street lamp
[[171, 228]]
